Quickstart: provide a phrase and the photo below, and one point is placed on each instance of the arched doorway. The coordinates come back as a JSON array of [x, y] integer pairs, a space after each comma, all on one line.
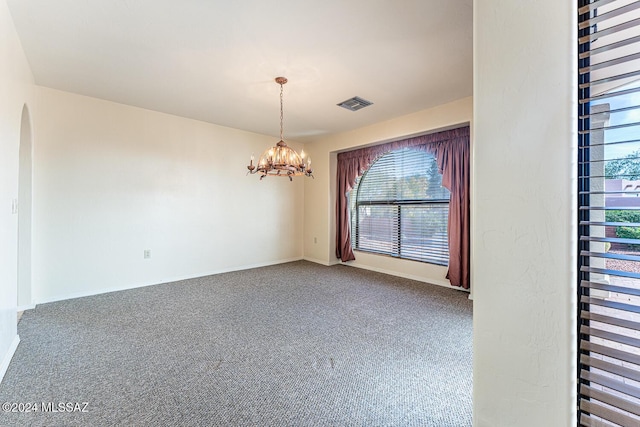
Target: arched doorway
[[24, 212]]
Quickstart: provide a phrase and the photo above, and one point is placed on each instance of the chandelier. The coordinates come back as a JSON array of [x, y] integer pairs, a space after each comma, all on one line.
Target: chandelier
[[281, 160]]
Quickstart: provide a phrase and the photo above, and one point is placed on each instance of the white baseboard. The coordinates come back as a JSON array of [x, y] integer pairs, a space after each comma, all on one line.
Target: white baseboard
[[26, 307], [316, 261], [161, 281], [8, 356], [443, 283]]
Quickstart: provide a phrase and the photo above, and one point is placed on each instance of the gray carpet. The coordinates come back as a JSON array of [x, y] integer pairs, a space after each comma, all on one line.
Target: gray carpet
[[296, 344]]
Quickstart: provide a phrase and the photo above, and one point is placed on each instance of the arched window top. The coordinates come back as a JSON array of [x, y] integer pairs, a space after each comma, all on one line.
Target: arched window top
[[403, 175]]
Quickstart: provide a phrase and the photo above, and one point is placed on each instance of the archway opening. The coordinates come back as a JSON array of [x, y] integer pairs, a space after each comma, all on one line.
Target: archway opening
[[25, 300]]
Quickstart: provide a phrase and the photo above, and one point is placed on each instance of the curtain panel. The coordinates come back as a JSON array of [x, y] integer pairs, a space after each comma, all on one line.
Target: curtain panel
[[451, 150]]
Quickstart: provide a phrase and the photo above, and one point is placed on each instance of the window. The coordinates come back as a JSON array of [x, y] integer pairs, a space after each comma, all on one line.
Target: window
[[609, 213], [400, 208]]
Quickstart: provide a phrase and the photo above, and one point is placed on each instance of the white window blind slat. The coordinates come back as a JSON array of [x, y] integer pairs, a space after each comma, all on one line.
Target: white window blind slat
[[609, 212]]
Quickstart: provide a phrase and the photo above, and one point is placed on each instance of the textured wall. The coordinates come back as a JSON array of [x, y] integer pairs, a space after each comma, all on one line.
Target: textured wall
[[524, 225]]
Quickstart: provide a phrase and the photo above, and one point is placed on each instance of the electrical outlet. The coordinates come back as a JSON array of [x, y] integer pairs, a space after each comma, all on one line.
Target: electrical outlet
[[147, 253]]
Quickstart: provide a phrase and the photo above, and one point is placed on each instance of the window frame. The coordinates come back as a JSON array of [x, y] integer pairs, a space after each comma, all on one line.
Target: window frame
[[357, 203]]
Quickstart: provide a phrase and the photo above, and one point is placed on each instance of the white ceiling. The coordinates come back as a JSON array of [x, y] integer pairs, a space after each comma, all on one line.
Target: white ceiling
[[216, 60]]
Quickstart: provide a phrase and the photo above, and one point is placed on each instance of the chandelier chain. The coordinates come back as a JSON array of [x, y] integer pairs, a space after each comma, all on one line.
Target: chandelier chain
[[281, 114]]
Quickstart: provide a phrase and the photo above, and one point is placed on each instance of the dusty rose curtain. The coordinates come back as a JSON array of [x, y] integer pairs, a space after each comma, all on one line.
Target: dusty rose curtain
[[451, 149]]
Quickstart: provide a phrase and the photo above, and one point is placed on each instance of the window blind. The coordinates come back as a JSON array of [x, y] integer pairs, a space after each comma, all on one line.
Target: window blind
[[400, 208], [609, 212]]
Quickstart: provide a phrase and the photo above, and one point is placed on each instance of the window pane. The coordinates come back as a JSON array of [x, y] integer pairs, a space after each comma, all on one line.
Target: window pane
[[424, 235], [400, 208], [378, 229]]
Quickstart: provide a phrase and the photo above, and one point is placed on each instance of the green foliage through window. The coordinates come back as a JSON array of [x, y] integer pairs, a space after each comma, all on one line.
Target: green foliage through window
[[622, 216], [622, 231], [627, 167], [628, 232]]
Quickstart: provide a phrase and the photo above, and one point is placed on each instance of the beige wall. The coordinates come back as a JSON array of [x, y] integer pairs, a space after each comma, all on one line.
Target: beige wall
[[16, 85], [319, 214], [524, 227], [112, 181]]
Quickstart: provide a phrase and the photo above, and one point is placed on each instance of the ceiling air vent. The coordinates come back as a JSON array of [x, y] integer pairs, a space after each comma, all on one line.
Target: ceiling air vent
[[355, 103]]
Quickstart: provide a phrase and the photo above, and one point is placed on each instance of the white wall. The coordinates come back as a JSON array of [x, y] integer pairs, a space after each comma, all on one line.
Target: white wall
[[16, 83], [523, 269], [24, 212], [319, 214], [111, 181]]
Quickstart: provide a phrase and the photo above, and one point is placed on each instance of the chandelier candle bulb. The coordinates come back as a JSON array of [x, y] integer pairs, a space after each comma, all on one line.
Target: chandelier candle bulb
[[281, 160]]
